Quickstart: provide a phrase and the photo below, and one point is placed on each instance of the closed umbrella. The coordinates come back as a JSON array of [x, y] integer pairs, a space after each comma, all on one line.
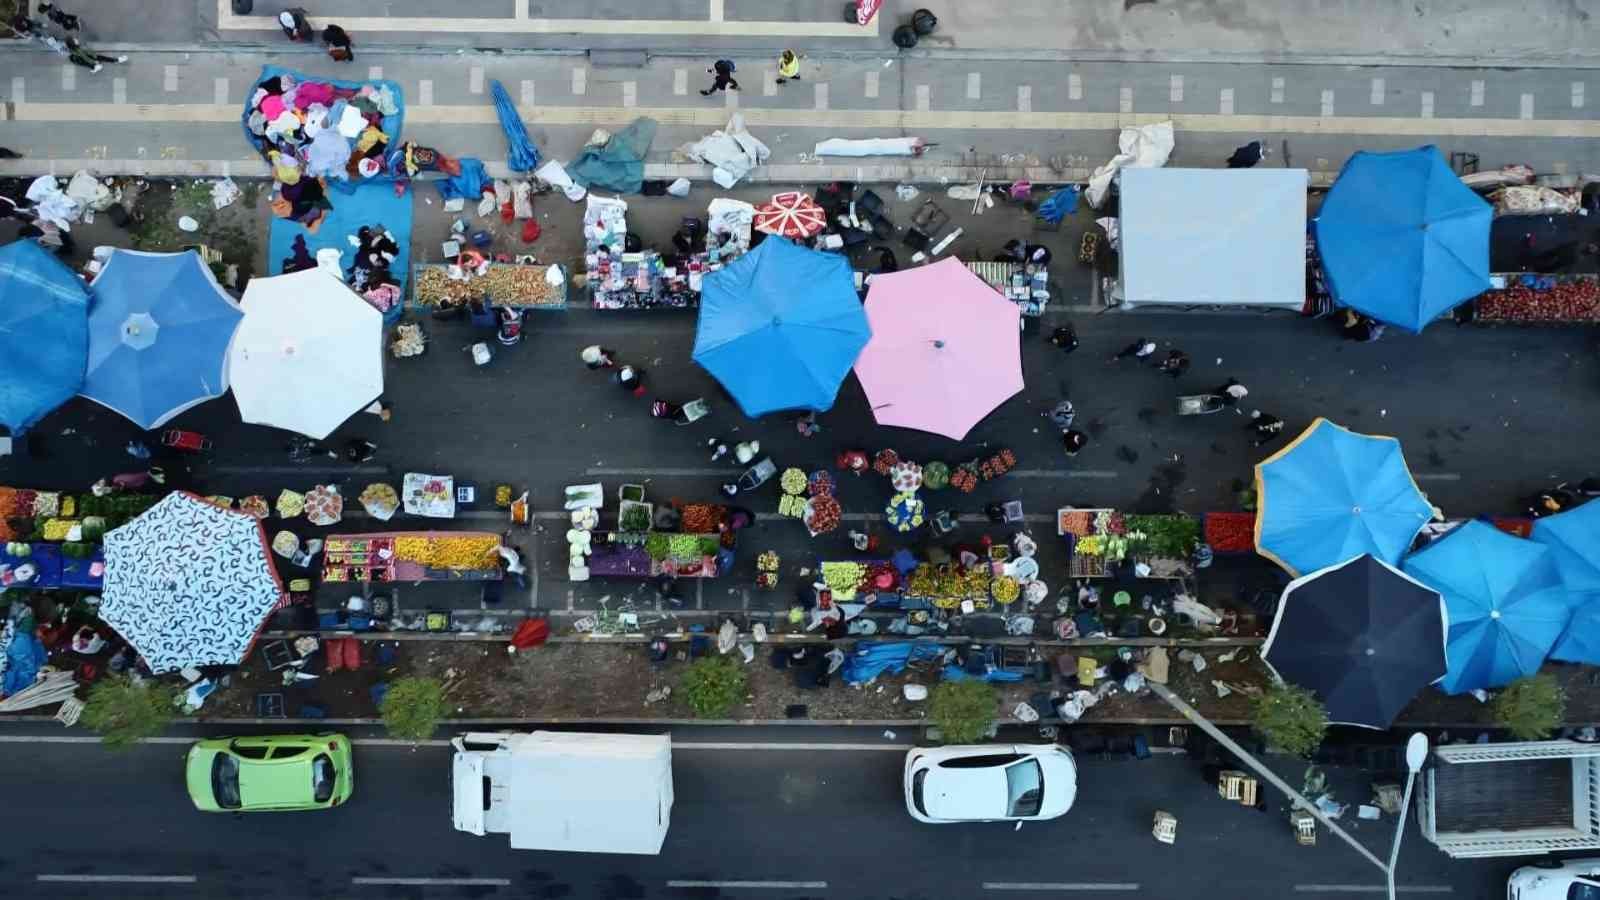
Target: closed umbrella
[[309, 354], [791, 214], [1402, 239], [159, 329], [1505, 601], [945, 349], [1333, 494], [521, 156], [1362, 635], [44, 334], [780, 327], [189, 583], [1574, 540]]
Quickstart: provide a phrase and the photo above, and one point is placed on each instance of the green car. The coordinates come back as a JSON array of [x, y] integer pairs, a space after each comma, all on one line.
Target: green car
[[273, 773]]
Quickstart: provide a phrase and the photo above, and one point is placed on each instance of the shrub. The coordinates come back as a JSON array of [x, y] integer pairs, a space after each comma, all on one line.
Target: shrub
[[124, 712], [412, 708], [963, 711], [713, 685], [1290, 718], [1531, 708]]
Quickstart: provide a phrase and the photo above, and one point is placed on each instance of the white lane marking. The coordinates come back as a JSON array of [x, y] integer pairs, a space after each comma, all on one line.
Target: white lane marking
[[1059, 886], [1327, 103], [69, 77], [924, 98], [1225, 102], [1438, 476], [680, 82], [870, 89], [169, 78], [1377, 92], [1477, 92], [580, 79], [425, 91], [1372, 889], [1024, 98], [457, 882], [769, 83], [1526, 111], [475, 79], [787, 747], [1175, 89], [219, 91], [19, 89], [774, 885], [1125, 99], [1074, 86], [526, 91], [118, 879], [974, 85], [1277, 90], [730, 98], [1577, 95], [630, 94], [119, 90], [819, 98], [374, 73], [1427, 104]]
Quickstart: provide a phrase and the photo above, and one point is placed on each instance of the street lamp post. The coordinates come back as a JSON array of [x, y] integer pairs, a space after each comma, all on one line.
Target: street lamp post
[[1416, 754]]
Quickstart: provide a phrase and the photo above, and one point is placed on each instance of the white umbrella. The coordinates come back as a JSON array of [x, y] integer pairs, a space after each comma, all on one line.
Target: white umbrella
[[308, 355]]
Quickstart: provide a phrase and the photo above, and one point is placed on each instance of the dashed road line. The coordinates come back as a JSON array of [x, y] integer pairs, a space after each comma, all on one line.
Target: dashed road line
[[475, 80], [374, 73], [974, 85], [1437, 476], [1327, 103], [69, 77], [1059, 886], [1525, 110], [1372, 889], [417, 882], [1476, 98], [1074, 87], [1377, 92], [1024, 98], [425, 92], [630, 94], [580, 80], [924, 98], [820, 96], [753, 885], [117, 879], [1277, 90], [1225, 102], [527, 92], [1175, 89], [870, 88], [680, 82], [169, 78]]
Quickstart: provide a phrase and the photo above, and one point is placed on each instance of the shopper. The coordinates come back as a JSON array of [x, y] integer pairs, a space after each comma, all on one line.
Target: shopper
[[294, 24], [1065, 338], [807, 425], [1247, 156], [597, 357], [1267, 428], [79, 55], [1073, 441], [1232, 392], [1063, 415], [1176, 364], [631, 379], [63, 20], [1140, 349], [788, 66], [722, 72], [339, 45]]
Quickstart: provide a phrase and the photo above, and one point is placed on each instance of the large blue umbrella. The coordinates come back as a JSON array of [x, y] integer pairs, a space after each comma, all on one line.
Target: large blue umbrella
[[159, 328], [1574, 540], [1402, 239], [1504, 599], [1332, 495], [780, 327], [44, 334]]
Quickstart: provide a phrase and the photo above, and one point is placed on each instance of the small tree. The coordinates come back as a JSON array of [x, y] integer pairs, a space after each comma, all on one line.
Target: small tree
[[1531, 708], [713, 685], [963, 711], [1291, 718], [412, 707], [124, 712]]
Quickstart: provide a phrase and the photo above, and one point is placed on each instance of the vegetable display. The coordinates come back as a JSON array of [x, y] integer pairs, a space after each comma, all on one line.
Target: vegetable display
[[504, 284], [823, 514], [792, 481], [475, 552], [290, 504], [1231, 532], [1543, 298], [843, 578], [935, 476]]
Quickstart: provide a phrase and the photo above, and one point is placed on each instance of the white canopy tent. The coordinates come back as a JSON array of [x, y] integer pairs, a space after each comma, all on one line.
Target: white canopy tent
[[308, 355], [1213, 237]]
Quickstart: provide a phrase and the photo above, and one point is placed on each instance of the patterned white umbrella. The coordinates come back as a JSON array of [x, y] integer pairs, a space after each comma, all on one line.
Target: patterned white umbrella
[[189, 583]]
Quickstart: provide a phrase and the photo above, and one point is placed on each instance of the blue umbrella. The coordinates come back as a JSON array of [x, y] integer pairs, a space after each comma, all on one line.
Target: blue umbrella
[[1402, 239], [44, 334], [523, 155], [1332, 495], [159, 329], [780, 327], [1504, 599], [1574, 540]]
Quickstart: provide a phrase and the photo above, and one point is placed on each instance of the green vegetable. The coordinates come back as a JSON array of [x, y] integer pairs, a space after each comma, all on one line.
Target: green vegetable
[[1172, 537], [684, 547], [636, 517], [656, 546], [935, 475]]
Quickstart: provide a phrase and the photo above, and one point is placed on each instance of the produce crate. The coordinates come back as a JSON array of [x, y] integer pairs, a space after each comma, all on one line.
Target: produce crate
[[505, 284], [1230, 532]]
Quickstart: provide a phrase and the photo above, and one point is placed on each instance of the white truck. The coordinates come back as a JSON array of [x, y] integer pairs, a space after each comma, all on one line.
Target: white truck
[[1512, 799], [549, 790]]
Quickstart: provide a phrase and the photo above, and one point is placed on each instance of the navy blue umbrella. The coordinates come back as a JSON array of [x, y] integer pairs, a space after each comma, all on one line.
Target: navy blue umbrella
[[523, 156]]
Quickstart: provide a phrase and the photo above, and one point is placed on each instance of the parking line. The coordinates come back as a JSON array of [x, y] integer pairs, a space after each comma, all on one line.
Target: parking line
[[774, 885], [870, 89], [1372, 889], [1277, 90], [19, 89], [1074, 87], [118, 879], [453, 882], [1059, 886], [819, 96]]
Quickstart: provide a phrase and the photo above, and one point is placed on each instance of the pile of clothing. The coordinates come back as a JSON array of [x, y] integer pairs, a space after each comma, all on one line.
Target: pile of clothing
[[317, 129]]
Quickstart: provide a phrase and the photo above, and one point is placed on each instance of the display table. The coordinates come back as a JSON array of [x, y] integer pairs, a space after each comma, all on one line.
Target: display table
[[617, 555], [1534, 299], [429, 496], [1028, 286], [641, 281], [513, 285], [411, 556]]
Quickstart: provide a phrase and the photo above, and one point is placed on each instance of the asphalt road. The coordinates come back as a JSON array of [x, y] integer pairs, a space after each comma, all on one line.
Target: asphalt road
[[809, 822]]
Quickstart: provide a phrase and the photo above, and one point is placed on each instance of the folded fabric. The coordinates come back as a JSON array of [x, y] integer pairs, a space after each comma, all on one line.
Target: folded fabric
[[351, 122], [314, 92], [327, 155]]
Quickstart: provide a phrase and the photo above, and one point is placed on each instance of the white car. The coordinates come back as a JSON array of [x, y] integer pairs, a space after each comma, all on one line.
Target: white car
[[1568, 879], [990, 783]]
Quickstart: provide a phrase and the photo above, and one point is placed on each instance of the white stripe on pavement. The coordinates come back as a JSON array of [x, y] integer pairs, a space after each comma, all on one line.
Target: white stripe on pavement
[[1372, 889], [118, 879], [1437, 476], [775, 885], [453, 882], [1059, 886]]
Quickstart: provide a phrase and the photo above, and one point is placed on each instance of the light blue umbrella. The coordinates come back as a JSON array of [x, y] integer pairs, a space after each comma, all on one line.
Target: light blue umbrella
[[44, 334], [1333, 494], [1504, 599], [780, 327], [159, 328], [1574, 540], [1402, 239]]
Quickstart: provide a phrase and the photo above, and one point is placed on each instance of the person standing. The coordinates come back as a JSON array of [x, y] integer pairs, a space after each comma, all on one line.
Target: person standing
[[79, 55], [64, 20], [631, 379], [294, 24], [1247, 156], [1140, 349], [722, 72], [1062, 415], [339, 45], [1064, 338], [1267, 428], [788, 66]]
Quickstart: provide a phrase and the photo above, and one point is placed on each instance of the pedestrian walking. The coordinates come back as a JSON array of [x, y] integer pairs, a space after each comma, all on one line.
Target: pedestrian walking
[[79, 55], [8, 153], [1232, 392], [1267, 428], [631, 379], [339, 45], [597, 357], [1064, 338], [24, 27], [1176, 363], [722, 72], [295, 25], [1063, 415], [1073, 440], [788, 66], [1247, 156], [1140, 349], [64, 20]]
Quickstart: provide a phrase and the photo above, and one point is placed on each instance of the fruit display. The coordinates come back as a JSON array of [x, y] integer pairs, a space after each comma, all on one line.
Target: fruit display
[[965, 478], [1075, 521], [1543, 298], [792, 506], [822, 515], [290, 504], [701, 518], [843, 579], [821, 483], [884, 461], [1006, 590], [792, 481], [905, 476], [1231, 532], [324, 506], [255, 505], [504, 284], [380, 500], [464, 552]]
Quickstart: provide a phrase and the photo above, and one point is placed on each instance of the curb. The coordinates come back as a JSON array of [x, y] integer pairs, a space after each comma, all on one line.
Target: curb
[[683, 636]]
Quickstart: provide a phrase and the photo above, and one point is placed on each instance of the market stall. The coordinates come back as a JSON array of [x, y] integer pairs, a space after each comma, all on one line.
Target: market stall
[[411, 556], [509, 284], [1026, 285], [1155, 547], [623, 554]]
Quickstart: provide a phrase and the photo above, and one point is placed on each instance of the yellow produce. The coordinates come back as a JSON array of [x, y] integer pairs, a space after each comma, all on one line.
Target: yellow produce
[[472, 552]]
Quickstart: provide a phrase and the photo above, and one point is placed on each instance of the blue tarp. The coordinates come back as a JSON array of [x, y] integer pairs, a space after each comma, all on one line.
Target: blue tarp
[[780, 327], [44, 334], [364, 205], [1574, 540], [24, 658], [618, 165], [873, 658], [522, 156], [469, 184], [159, 329], [391, 124], [1060, 204], [991, 674], [1504, 599], [1402, 239]]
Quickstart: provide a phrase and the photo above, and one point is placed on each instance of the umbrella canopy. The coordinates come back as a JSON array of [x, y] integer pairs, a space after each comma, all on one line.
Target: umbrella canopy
[[1402, 239], [1333, 494], [945, 349], [780, 327], [44, 334], [309, 354], [159, 328], [791, 214], [1362, 635], [188, 583], [1574, 540], [1505, 601], [522, 156]]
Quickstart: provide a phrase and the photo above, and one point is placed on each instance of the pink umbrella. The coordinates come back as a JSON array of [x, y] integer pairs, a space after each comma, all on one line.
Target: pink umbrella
[[945, 349], [791, 214]]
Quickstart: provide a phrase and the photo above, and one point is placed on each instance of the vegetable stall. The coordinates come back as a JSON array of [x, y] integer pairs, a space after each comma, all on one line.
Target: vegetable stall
[[411, 556]]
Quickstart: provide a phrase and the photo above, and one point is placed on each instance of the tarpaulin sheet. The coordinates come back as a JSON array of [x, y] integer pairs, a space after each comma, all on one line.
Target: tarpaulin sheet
[[24, 658], [618, 165], [873, 658], [365, 204], [44, 333], [391, 124]]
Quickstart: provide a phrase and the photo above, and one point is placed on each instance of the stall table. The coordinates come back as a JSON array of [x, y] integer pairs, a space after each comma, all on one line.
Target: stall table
[[514, 285], [373, 558], [1028, 286]]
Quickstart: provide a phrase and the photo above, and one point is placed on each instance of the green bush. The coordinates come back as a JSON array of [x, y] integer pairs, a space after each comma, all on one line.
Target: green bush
[[713, 686], [123, 712], [413, 707], [963, 711], [1531, 708], [1290, 718]]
